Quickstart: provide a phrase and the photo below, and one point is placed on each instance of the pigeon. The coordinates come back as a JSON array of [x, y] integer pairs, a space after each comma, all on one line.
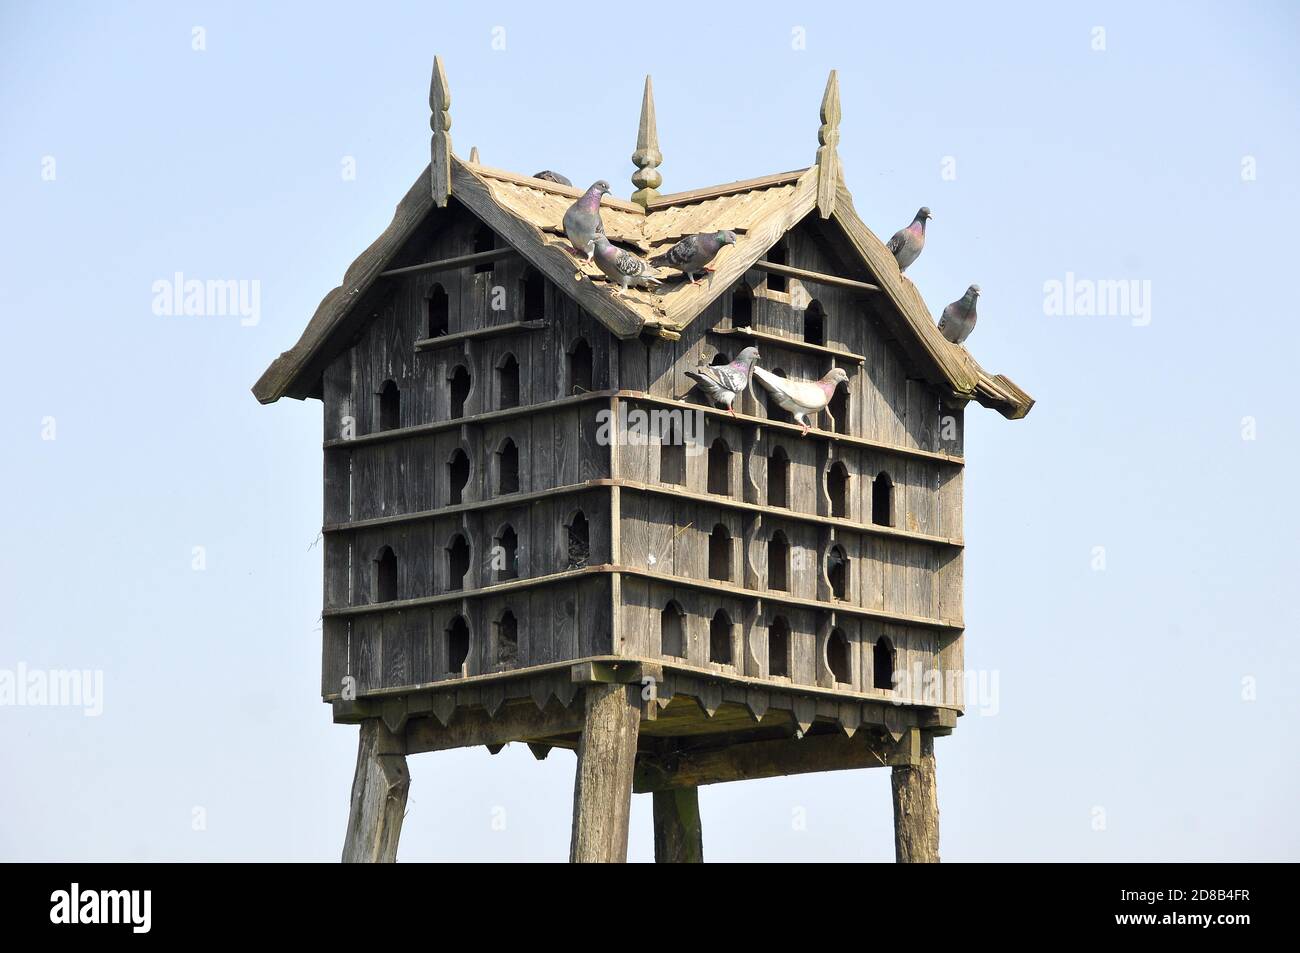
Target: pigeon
[[582, 221], [958, 319], [550, 176], [621, 266], [694, 252], [907, 243], [721, 383], [802, 398]]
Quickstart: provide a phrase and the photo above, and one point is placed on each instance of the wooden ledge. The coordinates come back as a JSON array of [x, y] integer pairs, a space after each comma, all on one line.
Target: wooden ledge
[[780, 340], [499, 330]]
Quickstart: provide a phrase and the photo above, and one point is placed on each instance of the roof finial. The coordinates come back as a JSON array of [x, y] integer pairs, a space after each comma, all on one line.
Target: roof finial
[[473, 155], [828, 159], [647, 156], [440, 142]]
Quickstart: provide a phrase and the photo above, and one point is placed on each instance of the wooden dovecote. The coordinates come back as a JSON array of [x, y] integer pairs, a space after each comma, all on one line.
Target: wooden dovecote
[[536, 531]]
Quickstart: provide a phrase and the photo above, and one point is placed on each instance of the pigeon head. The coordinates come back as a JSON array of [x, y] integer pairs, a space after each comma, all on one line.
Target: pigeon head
[[602, 187], [726, 238], [748, 356], [837, 376], [973, 292], [923, 215]]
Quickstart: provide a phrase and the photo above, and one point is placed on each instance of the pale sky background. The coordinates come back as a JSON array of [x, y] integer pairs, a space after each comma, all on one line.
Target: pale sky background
[[1120, 690]]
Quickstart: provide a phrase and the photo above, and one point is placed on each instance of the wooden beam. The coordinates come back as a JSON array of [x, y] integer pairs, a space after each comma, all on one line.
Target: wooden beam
[[816, 277], [472, 727], [784, 599], [602, 787], [916, 807], [731, 188], [455, 423], [451, 264], [772, 759], [495, 502], [477, 334], [679, 837], [379, 789], [793, 516], [814, 433], [726, 502], [457, 595], [781, 340]]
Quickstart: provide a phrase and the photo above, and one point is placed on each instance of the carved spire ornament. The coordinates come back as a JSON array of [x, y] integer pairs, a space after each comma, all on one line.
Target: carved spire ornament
[[440, 142], [647, 157], [828, 159]]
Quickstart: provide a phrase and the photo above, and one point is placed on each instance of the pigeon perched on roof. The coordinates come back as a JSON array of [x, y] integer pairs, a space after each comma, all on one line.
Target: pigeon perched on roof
[[958, 319], [622, 266], [907, 242], [694, 252], [550, 176], [722, 382], [582, 222], [802, 398]]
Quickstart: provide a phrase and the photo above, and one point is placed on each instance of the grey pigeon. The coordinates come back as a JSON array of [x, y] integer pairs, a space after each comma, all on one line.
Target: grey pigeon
[[958, 319], [802, 398], [549, 176], [907, 242], [721, 383], [582, 221], [694, 252], [621, 266]]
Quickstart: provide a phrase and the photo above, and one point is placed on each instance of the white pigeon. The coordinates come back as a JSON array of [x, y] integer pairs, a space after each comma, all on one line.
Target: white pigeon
[[802, 398], [722, 382]]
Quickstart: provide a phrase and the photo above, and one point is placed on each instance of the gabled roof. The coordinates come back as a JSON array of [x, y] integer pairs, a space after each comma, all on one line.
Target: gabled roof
[[527, 212]]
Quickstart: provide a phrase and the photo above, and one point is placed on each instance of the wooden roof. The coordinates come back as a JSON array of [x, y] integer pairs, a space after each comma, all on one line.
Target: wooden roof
[[526, 212]]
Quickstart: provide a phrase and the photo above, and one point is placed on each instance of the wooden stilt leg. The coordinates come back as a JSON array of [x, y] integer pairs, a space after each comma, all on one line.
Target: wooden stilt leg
[[378, 796], [916, 809], [679, 838], [602, 787]]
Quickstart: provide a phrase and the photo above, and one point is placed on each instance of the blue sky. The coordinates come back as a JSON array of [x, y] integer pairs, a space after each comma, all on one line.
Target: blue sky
[[1143, 709]]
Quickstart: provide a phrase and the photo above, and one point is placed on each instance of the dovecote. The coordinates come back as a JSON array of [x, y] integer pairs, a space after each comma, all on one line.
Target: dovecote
[[536, 530]]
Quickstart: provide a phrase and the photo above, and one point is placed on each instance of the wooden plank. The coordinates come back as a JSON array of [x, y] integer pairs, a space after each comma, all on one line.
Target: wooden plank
[[781, 340], [731, 188], [469, 728], [451, 264], [816, 277], [768, 759]]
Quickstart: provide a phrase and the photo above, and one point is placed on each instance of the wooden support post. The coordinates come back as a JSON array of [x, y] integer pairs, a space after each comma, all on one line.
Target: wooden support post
[[679, 838], [916, 808], [378, 796], [602, 786]]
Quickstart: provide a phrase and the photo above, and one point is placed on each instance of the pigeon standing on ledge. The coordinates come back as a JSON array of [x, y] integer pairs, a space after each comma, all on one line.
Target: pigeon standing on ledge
[[721, 383], [621, 266], [802, 398], [907, 242], [549, 176], [582, 223], [958, 319], [694, 252]]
